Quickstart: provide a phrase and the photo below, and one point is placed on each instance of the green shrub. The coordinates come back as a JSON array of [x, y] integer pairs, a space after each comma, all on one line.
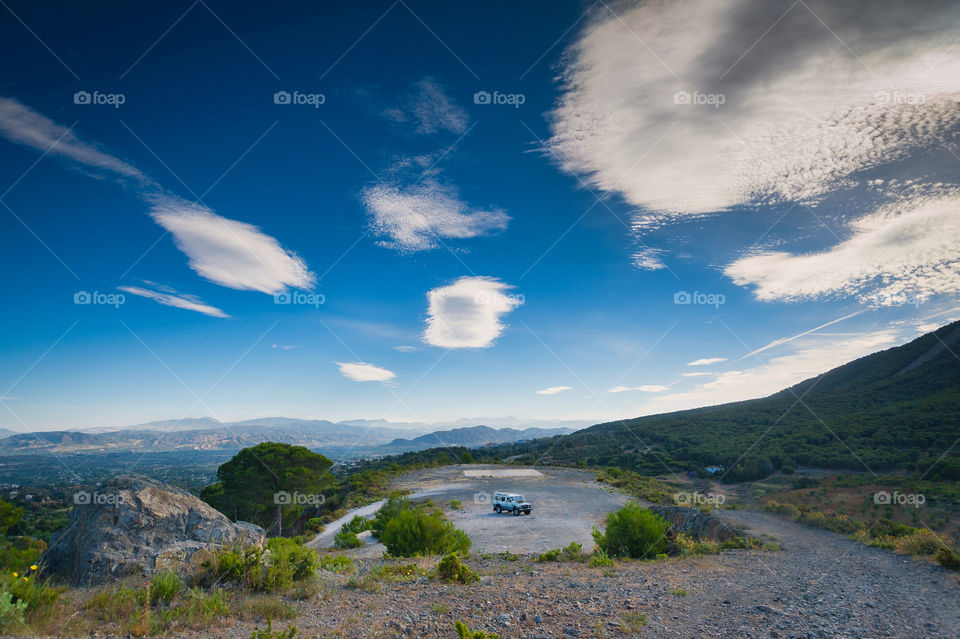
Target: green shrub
[[394, 505], [788, 470], [336, 563], [19, 553], [164, 586], [418, 532], [948, 558], [601, 558], [314, 525], [456, 504], [451, 569], [464, 632], [34, 592], [356, 525], [12, 613], [573, 552], [347, 539], [285, 563], [633, 531]]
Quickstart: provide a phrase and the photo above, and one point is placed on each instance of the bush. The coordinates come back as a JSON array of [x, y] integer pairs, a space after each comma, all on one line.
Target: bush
[[451, 569], [633, 531], [601, 558], [394, 505], [347, 539], [948, 558], [417, 532], [788, 470], [456, 504], [11, 612], [336, 563], [464, 632], [356, 525], [164, 586], [19, 553], [573, 552], [285, 563], [314, 525]]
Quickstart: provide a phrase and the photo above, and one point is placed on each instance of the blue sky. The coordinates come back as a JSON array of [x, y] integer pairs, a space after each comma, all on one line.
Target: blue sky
[[424, 211]]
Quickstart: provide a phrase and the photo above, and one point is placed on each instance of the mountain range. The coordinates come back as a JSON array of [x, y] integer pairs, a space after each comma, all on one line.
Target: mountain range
[[357, 437]]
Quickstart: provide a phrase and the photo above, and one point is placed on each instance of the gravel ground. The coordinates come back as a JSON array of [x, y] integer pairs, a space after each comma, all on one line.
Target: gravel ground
[[818, 584], [567, 504]]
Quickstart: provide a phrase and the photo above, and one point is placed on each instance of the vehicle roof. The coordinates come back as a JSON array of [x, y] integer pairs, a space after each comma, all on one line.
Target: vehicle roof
[[507, 495]]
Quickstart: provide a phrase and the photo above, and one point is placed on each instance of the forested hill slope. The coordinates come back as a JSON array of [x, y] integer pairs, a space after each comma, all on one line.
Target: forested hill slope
[[895, 409]]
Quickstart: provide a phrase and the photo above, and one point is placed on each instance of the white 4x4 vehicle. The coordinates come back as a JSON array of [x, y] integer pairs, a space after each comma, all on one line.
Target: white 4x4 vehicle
[[511, 503]]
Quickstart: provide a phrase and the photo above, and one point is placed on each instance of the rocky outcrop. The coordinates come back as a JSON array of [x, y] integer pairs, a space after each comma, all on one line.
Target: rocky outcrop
[[134, 524], [697, 524]]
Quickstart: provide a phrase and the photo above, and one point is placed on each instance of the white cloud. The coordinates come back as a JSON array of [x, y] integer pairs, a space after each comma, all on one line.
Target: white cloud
[[430, 110], [817, 356], [769, 103], [22, 125], [800, 114], [466, 314], [403, 348], [362, 372], [707, 361], [230, 253], [553, 390], [701, 374], [171, 298], [648, 259], [421, 216], [285, 347], [646, 388], [903, 253]]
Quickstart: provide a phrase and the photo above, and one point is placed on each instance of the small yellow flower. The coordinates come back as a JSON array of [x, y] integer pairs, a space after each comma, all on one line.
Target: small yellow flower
[[15, 575], [25, 579], [33, 567]]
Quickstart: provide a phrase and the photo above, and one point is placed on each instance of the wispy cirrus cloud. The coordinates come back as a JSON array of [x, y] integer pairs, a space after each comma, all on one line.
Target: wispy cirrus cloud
[[421, 216], [230, 253], [25, 126], [706, 361], [363, 372], [169, 297], [467, 313], [646, 388], [428, 109], [225, 251], [554, 390]]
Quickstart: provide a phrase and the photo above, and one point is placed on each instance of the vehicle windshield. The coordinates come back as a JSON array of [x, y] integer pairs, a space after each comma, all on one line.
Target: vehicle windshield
[[519, 499]]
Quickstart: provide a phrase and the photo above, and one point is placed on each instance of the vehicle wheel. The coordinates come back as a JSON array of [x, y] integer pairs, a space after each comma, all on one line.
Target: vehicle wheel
[[497, 508], [516, 511]]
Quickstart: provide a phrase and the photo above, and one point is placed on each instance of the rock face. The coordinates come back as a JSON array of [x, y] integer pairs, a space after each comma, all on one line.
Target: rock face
[[134, 524], [696, 524]]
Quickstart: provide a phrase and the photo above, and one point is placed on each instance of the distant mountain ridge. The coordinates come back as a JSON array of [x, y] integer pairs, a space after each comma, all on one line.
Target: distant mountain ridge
[[357, 437], [471, 436]]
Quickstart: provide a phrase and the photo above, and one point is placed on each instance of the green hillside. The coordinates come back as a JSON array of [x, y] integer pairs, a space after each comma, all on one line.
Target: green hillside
[[895, 409]]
